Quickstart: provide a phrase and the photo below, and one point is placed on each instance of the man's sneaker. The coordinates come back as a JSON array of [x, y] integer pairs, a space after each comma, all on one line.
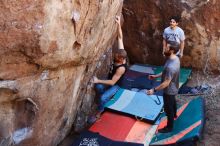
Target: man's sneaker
[[175, 116]]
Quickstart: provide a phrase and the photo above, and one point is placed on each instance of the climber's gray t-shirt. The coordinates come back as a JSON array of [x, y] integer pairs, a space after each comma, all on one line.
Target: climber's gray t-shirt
[[173, 35], [171, 71]]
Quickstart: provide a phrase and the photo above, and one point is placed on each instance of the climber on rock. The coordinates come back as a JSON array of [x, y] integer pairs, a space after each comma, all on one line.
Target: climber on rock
[[174, 34], [107, 88]]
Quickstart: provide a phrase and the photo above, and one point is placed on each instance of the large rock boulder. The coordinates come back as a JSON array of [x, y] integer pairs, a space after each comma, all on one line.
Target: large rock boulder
[[145, 21], [49, 51]]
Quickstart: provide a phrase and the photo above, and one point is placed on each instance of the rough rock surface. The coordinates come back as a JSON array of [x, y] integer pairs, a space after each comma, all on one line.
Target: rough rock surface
[[49, 50], [145, 21], [211, 134]]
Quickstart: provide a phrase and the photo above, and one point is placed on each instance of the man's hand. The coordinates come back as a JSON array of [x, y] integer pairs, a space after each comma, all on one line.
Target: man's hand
[[151, 77], [150, 92], [117, 19], [181, 54], [164, 49], [95, 80]]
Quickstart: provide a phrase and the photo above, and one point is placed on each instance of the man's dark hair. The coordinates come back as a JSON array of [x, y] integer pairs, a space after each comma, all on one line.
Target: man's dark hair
[[174, 46], [176, 18]]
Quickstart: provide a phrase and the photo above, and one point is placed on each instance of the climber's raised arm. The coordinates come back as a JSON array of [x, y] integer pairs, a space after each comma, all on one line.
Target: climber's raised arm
[[120, 35]]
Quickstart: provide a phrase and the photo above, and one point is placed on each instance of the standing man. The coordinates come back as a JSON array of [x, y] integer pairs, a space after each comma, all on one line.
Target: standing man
[[169, 83], [173, 33], [107, 88]]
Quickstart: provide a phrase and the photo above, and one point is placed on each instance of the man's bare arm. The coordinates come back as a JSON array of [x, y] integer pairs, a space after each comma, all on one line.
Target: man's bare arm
[[182, 45], [164, 45], [120, 35], [120, 71], [163, 85]]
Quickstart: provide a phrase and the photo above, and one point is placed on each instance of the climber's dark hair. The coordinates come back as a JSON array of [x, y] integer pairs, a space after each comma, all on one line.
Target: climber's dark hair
[[174, 46], [176, 18]]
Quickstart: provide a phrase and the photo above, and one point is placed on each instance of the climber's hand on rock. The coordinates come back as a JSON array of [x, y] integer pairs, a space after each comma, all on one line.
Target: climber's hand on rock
[[117, 19], [95, 79]]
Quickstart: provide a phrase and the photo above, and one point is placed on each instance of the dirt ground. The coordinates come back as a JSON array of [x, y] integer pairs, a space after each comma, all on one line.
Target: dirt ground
[[211, 134]]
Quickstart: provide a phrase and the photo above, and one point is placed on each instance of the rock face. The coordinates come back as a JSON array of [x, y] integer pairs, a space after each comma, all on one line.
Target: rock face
[[49, 51], [145, 21]]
